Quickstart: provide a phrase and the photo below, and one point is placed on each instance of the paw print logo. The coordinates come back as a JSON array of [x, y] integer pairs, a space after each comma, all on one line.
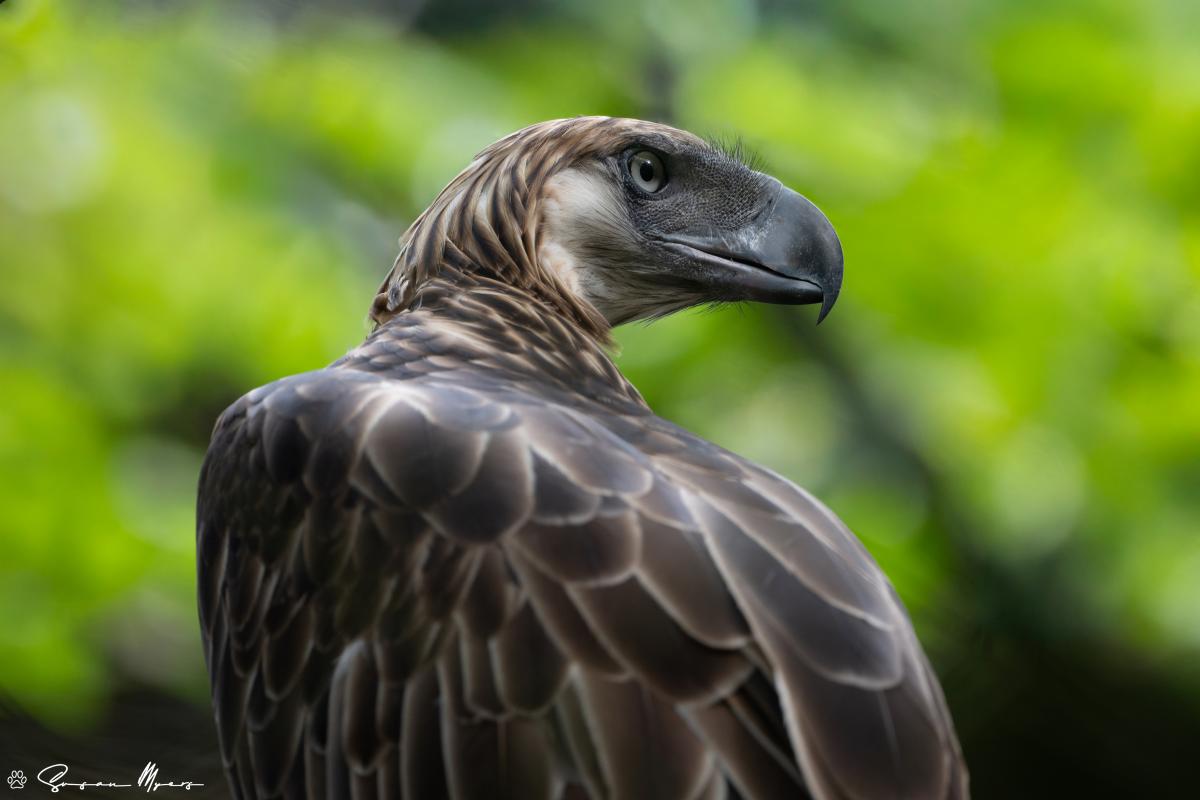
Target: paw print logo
[[16, 780]]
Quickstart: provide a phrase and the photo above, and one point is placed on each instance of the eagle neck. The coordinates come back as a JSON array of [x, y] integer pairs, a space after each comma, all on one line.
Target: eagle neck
[[486, 327], [487, 223]]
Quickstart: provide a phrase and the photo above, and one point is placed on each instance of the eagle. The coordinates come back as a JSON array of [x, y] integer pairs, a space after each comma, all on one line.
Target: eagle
[[467, 560]]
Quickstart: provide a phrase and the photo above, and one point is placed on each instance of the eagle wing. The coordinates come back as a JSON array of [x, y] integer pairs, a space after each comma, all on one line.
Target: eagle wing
[[440, 588]]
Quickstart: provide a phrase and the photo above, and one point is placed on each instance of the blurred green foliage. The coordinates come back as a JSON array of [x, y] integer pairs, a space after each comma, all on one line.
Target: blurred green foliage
[[196, 199]]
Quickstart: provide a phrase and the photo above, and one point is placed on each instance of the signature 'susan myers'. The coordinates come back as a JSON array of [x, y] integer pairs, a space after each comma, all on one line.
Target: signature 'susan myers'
[[55, 776]]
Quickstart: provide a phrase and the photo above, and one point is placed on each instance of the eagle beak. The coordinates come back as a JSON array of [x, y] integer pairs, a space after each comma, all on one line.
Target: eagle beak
[[789, 253]]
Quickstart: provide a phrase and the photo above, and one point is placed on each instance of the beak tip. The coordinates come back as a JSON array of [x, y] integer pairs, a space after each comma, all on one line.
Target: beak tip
[[831, 283], [826, 306]]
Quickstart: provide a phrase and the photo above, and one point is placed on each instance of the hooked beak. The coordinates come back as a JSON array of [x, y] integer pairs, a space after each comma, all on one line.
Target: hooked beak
[[789, 253]]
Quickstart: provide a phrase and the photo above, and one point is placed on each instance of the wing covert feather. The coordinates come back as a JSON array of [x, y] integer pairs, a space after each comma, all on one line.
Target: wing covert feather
[[416, 589]]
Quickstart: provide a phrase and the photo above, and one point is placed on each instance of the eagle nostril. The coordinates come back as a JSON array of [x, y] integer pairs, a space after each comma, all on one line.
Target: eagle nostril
[[766, 209], [768, 206]]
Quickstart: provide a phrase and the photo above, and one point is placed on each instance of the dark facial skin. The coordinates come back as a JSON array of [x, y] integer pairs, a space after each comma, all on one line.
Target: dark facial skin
[[704, 188], [720, 231]]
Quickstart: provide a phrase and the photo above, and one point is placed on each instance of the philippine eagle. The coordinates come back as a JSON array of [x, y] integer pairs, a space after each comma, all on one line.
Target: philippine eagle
[[468, 561]]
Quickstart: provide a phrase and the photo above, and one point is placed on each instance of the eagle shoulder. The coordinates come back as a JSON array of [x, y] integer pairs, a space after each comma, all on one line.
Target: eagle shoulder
[[454, 557]]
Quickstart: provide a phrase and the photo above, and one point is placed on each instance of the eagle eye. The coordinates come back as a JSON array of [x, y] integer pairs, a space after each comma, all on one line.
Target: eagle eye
[[647, 171]]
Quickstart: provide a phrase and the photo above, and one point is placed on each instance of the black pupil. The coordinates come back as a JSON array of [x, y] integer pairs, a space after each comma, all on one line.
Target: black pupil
[[647, 171]]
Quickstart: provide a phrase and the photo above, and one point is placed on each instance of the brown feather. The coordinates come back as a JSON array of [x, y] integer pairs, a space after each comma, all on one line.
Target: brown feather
[[467, 560]]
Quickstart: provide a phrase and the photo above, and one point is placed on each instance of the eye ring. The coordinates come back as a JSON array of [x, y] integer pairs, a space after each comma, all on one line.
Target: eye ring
[[647, 171]]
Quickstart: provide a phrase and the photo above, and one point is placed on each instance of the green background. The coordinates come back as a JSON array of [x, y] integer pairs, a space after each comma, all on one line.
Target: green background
[[196, 199]]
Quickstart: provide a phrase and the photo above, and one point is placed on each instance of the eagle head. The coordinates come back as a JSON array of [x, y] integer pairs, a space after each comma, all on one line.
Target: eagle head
[[612, 220]]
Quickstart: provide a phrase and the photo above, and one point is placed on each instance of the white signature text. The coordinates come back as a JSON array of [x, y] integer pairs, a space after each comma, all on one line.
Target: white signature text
[[55, 776]]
